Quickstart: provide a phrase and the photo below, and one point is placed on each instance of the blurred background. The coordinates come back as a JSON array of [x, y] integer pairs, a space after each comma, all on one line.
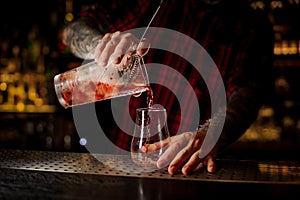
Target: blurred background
[[31, 53]]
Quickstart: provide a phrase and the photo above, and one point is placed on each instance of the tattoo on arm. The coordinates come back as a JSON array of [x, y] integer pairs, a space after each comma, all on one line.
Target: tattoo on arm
[[82, 36]]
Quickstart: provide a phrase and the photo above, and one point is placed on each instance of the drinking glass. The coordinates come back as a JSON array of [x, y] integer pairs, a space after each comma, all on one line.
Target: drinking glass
[[151, 137]]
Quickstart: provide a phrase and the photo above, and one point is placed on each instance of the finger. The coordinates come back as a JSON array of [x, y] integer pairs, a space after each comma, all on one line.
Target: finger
[[143, 47], [123, 61], [170, 153], [156, 146], [120, 53], [177, 143], [126, 45], [179, 160], [199, 167], [100, 47], [171, 141], [103, 42], [108, 49], [211, 165], [192, 164], [183, 156]]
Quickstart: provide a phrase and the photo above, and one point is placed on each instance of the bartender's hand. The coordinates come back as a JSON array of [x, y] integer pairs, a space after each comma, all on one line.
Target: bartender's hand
[[115, 47], [183, 154]]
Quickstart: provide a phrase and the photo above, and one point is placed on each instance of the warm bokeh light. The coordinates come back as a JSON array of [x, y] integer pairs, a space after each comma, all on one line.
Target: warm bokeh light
[[287, 47], [69, 17], [3, 86]]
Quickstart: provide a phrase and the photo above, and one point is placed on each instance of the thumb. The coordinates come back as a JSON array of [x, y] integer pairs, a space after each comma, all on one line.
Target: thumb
[[143, 47]]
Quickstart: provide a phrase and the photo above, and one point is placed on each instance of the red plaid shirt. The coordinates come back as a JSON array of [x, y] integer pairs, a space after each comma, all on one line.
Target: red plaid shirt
[[238, 40]]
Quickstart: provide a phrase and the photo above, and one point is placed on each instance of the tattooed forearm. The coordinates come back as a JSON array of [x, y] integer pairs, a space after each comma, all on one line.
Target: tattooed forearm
[[82, 37]]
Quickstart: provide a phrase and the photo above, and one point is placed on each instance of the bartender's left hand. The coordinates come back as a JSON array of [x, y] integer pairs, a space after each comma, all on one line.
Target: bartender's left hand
[[183, 154]]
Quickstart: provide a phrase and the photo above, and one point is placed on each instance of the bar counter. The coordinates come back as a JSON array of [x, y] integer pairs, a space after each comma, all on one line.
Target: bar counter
[[26, 174]]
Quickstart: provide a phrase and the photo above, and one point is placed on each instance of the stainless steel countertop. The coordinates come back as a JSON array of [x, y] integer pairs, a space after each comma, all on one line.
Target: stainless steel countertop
[[273, 178]]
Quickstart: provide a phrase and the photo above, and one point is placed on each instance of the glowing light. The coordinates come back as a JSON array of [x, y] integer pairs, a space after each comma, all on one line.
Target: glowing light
[[276, 4], [38, 101], [3, 86], [69, 17], [20, 107], [82, 141]]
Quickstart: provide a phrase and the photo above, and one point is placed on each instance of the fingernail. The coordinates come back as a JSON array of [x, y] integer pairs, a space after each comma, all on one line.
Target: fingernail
[[117, 60], [172, 170], [144, 149], [185, 170], [211, 168], [162, 163], [159, 164], [102, 64]]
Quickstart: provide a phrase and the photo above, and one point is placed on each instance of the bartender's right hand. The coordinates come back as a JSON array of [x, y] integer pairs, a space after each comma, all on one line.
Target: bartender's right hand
[[183, 153], [115, 47]]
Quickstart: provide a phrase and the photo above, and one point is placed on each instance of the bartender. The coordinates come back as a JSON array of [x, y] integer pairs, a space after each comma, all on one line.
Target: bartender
[[237, 38]]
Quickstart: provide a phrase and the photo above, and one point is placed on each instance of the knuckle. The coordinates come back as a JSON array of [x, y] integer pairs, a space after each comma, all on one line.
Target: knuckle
[[188, 135], [127, 35]]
